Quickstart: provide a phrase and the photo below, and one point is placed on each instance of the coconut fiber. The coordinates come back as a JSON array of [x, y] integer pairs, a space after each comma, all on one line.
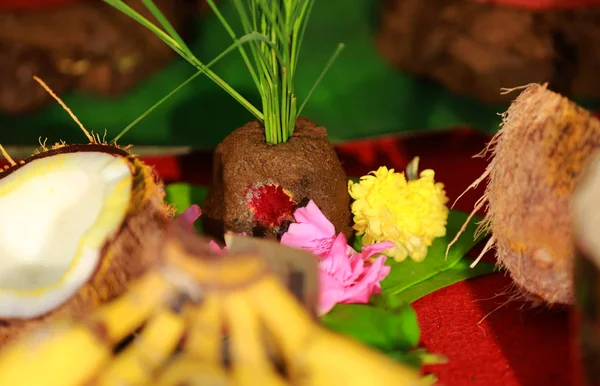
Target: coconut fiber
[[257, 186], [538, 155], [476, 47]]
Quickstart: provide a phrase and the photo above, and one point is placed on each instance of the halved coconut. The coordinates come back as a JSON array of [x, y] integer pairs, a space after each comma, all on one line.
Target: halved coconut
[[537, 158], [77, 224]]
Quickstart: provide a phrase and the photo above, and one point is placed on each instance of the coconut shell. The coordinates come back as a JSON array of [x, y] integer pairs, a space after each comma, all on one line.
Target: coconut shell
[[125, 257], [257, 186], [538, 155]]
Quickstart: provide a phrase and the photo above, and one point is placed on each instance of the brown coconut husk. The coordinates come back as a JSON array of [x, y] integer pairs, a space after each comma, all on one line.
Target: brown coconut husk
[[538, 155], [124, 257], [257, 186], [476, 47]]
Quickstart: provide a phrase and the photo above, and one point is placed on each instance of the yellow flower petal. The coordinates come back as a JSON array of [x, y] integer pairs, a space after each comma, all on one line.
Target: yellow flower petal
[[411, 214]]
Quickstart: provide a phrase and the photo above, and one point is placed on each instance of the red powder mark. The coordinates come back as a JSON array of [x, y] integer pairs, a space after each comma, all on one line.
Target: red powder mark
[[270, 203]]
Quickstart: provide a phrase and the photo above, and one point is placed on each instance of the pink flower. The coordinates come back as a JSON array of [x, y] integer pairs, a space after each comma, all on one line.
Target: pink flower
[[346, 276]]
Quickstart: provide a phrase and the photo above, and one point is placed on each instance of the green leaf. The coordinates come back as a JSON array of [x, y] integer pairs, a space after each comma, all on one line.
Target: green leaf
[[407, 274], [459, 272], [418, 357], [181, 196], [357, 245], [386, 330], [385, 325]]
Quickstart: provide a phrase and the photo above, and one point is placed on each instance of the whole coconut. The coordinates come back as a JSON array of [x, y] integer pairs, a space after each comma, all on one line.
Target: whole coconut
[[543, 146]]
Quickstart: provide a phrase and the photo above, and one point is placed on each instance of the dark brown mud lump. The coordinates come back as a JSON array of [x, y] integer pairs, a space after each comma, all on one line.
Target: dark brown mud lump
[[88, 46], [257, 186], [477, 48]]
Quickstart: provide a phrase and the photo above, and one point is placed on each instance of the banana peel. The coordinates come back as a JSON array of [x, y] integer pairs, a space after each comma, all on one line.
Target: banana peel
[[180, 312]]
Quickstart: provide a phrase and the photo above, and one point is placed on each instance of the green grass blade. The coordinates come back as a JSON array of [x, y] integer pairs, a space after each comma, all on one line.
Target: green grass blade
[[160, 102], [292, 117], [274, 30], [188, 56], [243, 15], [300, 28], [254, 36], [248, 38], [164, 22], [273, 18], [332, 59], [231, 33], [127, 10]]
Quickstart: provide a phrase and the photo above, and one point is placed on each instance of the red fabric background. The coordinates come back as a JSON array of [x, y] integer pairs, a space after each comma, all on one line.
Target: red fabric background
[[27, 5], [537, 5], [543, 5]]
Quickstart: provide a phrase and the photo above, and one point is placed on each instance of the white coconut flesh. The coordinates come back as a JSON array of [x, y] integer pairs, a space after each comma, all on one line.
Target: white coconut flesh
[[586, 210], [56, 214]]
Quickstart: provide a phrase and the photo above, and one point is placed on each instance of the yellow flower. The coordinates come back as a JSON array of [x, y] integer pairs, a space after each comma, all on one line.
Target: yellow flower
[[410, 213]]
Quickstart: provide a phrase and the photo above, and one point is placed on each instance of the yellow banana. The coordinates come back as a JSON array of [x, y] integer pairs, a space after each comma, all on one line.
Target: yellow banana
[[59, 351], [62, 358], [149, 351], [184, 308], [204, 339], [250, 364], [185, 370], [320, 356]]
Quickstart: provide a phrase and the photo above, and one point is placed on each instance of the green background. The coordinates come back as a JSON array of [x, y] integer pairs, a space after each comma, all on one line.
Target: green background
[[361, 96]]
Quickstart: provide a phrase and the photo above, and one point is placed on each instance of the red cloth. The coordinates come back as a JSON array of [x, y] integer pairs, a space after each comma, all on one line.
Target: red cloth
[[543, 5], [32, 5]]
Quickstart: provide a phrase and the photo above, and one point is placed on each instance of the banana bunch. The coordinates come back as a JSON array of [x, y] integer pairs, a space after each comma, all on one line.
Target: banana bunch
[[201, 318]]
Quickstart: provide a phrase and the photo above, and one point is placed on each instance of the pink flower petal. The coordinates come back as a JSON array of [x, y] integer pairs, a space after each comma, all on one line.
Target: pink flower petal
[[302, 236], [311, 231], [369, 283], [215, 247], [369, 251], [380, 271], [332, 291], [357, 295], [311, 214], [190, 215], [357, 264], [336, 262]]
